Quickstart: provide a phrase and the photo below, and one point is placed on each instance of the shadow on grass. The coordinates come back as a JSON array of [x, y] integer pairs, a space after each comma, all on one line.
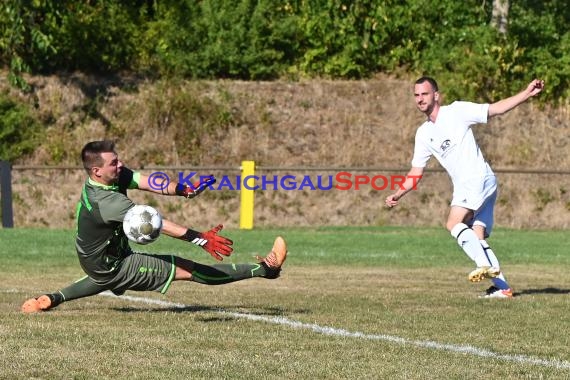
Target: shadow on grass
[[229, 311], [541, 291]]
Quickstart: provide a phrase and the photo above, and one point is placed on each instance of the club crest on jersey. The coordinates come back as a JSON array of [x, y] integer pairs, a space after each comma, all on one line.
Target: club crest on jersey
[[445, 145]]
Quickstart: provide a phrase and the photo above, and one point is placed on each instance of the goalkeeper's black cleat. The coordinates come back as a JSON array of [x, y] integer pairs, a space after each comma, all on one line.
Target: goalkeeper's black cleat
[[275, 259]]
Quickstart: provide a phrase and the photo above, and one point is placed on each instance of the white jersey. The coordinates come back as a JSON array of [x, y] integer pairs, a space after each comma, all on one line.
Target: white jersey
[[450, 139]]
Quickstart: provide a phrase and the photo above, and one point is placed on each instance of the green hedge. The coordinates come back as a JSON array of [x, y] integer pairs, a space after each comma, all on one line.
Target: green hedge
[[267, 39], [19, 130]]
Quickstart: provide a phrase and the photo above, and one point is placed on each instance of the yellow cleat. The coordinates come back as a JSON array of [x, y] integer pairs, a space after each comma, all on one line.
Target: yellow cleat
[[482, 273]]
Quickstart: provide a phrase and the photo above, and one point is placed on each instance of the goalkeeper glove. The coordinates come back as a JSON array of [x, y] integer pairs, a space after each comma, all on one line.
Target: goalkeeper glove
[[196, 188], [213, 243]]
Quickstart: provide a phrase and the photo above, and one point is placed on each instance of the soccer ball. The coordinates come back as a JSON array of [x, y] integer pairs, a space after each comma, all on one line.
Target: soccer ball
[[142, 224]]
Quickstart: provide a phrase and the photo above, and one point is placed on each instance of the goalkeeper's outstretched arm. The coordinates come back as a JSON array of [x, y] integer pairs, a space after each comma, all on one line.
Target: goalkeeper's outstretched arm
[[216, 245], [174, 188]]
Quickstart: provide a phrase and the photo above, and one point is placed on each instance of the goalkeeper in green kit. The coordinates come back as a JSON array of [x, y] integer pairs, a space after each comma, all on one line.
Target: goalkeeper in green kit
[[104, 252]]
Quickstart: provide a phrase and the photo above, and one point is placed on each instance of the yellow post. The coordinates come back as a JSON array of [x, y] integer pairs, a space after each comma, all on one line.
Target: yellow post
[[247, 195]]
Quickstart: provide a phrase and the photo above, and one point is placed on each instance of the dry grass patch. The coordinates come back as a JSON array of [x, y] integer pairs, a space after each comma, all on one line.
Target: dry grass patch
[[125, 338]]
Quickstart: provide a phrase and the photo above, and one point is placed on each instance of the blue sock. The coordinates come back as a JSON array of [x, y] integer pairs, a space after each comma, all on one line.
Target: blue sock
[[500, 283]]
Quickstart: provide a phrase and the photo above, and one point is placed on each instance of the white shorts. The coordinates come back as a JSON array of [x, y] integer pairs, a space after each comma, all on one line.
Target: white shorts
[[479, 196]]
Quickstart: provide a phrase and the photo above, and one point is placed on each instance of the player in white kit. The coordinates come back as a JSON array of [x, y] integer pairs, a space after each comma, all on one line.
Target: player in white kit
[[447, 135]]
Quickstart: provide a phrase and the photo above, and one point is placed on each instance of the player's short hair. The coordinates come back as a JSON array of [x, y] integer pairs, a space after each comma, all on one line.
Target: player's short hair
[[430, 80], [91, 153]]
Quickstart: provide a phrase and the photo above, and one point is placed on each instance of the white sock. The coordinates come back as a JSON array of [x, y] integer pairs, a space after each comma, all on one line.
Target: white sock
[[469, 242], [500, 281], [490, 254]]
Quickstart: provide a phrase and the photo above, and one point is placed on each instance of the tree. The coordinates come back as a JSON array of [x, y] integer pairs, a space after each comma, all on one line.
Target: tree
[[500, 15]]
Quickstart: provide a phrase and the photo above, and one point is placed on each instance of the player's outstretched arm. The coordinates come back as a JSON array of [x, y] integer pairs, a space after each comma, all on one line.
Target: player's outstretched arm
[[413, 177], [505, 105]]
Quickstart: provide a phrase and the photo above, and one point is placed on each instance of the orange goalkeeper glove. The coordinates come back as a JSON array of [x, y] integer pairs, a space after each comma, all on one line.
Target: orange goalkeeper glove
[[196, 188], [210, 241]]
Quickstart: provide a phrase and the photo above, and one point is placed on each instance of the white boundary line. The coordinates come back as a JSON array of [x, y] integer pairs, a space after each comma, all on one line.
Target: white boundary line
[[523, 359]]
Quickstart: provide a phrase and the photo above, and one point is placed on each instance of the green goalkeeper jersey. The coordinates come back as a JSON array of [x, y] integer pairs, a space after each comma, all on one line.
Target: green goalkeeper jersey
[[101, 243]]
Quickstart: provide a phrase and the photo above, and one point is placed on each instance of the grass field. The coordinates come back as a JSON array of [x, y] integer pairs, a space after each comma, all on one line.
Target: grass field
[[358, 303]]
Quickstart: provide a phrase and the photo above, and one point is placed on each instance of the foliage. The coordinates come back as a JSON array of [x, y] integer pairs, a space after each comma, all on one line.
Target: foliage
[[264, 39], [336, 38], [49, 35], [21, 42], [478, 65], [220, 39], [542, 28], [18, 129], [95, 36]]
